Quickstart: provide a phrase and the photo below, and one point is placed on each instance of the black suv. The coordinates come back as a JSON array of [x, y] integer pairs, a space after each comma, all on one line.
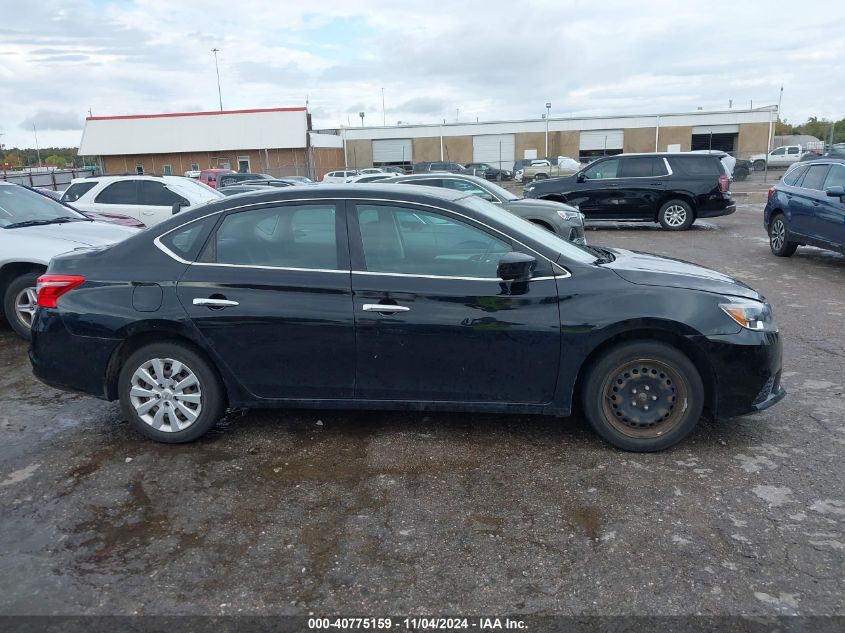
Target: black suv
[[452, 168], [671, 188]]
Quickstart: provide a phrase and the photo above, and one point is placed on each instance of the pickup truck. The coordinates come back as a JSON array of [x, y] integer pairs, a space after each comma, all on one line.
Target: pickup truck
[[780, 157], [540, 169]]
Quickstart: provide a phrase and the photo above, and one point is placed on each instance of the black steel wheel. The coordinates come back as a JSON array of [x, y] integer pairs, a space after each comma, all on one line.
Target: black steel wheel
[[643, 396]]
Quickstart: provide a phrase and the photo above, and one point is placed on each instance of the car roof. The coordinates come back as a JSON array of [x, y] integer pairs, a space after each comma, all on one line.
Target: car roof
[[133, 176], [829, 160], [436, 174]]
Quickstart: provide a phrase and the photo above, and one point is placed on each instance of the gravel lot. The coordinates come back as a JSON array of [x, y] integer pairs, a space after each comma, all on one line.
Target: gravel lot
[[289, 512]]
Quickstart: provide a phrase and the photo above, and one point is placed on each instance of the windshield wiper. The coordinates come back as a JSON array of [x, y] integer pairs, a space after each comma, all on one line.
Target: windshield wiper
[[604, 255], [59, 220]]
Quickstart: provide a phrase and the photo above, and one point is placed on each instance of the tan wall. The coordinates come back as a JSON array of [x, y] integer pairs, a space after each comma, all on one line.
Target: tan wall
[[457, 149], [674, 135], [529, 140], [327, 159], [278, 162], [638, 139], [359, 153], [753, 139], [424, 149], [564, 143]]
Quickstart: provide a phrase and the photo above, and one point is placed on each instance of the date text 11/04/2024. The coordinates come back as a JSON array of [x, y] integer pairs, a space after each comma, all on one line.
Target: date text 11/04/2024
[[418, 624]]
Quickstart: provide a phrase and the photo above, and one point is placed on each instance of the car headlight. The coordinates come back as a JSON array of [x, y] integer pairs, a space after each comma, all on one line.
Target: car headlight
[[519, 173], [569, 215], [752, 315]]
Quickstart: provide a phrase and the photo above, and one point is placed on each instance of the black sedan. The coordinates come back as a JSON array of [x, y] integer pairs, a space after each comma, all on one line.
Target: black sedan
[[395, 297]]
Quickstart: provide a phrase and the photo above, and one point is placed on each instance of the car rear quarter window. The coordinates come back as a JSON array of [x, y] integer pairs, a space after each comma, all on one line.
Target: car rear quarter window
[[187, 241], [835, 177], [77, 190], [699, 166], [295, 236], [814, 179], [154, 193], [120, 192], [794, 175]]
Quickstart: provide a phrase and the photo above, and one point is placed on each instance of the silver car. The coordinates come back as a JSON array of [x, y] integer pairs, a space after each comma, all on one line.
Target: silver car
[[33, 230]]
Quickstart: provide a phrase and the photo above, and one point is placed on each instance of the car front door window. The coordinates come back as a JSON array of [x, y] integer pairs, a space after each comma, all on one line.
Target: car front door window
[[602, 170]]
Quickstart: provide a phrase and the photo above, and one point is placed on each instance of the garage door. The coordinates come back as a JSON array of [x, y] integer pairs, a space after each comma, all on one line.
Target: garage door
[[601, 140], [495, 149], [392, 150]]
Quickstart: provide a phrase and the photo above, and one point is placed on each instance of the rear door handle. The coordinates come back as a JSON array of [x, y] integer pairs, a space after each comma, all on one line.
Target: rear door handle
[[383, 307], [215, 303]]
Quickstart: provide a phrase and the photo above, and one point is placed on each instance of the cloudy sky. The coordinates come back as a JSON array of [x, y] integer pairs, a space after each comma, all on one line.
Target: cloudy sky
[[435, 60]]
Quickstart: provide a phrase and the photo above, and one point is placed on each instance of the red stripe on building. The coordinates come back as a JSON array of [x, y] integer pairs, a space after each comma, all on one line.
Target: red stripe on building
[[175, 114]]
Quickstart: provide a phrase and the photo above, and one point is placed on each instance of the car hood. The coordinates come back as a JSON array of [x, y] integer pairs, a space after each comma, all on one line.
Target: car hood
[[76, 233], [653, 270], [528, 204]]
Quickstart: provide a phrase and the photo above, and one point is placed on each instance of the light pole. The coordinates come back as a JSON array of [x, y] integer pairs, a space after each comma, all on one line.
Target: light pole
[[37, 151], [548, 110], [383, 111], [361, 114], [217, 69]]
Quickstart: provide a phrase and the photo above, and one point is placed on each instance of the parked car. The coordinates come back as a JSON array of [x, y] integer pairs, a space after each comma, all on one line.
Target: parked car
[[209, 176], [34, 228], [149, 199], [302, 180], [780, 157], [193, 173], [489, 172], [541, 169], [339, 176], [394, 169], [224, 180], [233, 190], [673, 189], [830, 153], [371, 170], [364, 178], [116, 218], [807, 207], [457, 306], [440, 166], [561, 219]]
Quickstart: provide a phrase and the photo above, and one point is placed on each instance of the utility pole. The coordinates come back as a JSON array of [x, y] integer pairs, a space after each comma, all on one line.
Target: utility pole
[[383, 111], [548, 111], [217, 69], [361, 114], [457, 114], [780, 97], [37, 151]]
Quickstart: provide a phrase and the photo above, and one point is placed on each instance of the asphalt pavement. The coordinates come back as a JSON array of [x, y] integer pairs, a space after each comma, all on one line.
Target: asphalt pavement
[[298, 512]]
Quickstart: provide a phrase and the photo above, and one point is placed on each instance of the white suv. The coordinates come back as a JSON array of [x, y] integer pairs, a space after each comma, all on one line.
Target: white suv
[[149, 199], [344, 175]]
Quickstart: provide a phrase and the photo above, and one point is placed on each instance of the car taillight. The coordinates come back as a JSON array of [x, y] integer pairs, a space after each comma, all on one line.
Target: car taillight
[[51, 287], [724, 183], [771, 193]]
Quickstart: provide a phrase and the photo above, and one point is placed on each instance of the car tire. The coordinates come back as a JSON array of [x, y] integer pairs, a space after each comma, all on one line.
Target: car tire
[[541, 176], [676, 215], [190, 394], [665, 390], [740, 175], [19, 303], [759, 165], [778, 233]]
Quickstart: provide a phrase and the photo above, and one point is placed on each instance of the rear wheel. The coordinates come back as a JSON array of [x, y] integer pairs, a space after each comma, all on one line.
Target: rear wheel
[[778, 241], [19, 303], [643, 396], [170, 393], [759, 165], [676, 215]]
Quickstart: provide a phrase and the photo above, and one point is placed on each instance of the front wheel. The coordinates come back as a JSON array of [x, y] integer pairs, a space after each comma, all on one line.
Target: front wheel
[[541, 176], [759, 165], [170, 393], [643, 396], [676, 215], [778, 241], [19, 303]]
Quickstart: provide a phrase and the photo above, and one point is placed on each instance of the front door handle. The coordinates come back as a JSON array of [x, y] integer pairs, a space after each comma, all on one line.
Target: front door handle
[[384, 307], [215, 303]]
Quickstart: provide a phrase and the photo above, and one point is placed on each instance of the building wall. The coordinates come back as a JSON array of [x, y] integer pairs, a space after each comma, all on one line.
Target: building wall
[[681, 135], [426, 149], [359, 154], [457, 149], [277, 162], [529, 141], [753, 139], [638, 139], [326, 159]]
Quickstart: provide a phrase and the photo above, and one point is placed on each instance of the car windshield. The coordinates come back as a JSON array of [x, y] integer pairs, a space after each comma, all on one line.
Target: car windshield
[[193, 189], [500, 192], [537, 233], [19, 204]]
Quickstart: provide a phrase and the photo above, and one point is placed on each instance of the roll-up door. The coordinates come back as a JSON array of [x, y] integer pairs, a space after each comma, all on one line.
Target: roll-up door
[[392, 150], [494, 149], [601, 140]]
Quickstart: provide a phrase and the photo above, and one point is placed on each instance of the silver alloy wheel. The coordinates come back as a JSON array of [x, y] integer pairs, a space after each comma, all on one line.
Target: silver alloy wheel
[[25, 303], [778, 235], [675, 215], [166, 394]]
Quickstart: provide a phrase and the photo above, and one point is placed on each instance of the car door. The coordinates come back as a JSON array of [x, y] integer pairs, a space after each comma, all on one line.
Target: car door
[[640, 186], [598, 196], [434, 322], [793, 154], [121, 196], [157, 201], [829, 218], [271, 295], [777, 158], [807, 197]]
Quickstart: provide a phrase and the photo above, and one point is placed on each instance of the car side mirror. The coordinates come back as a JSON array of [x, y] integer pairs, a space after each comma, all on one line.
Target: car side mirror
[[177, 206], [516, 267], [581, 178], [837, 191]]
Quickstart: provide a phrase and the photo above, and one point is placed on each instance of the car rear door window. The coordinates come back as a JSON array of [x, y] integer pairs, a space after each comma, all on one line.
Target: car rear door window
[[792, 150], [120, 192], [602, 170], [77, 190], [294, 236], [638, 167], [698, 166], [401, 240], [154, 193], [835, 177], [814, 179]]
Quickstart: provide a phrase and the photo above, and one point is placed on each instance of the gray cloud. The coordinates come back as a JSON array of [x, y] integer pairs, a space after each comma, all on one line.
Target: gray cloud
[[52, 120]]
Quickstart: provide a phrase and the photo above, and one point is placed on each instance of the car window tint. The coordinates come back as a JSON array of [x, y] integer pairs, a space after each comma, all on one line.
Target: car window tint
[[780, 151], [301, 236], [702, 165], [637, 167], [792, 150], [401, 240], [120, 192], [794, 175], [154, 193], [428, 182], [464, 186], [187, 241], [77, 190], [835, 177], [601, 170], [815, 177]]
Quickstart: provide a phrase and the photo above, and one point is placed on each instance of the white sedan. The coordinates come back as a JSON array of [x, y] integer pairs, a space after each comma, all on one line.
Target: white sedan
[[33, 230]]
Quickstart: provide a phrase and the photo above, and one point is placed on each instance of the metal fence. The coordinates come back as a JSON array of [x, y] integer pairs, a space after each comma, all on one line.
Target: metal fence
[[56, 179]]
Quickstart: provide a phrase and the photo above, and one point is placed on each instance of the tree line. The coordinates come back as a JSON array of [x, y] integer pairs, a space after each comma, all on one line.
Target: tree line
[[58, 157], [820, 128]]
